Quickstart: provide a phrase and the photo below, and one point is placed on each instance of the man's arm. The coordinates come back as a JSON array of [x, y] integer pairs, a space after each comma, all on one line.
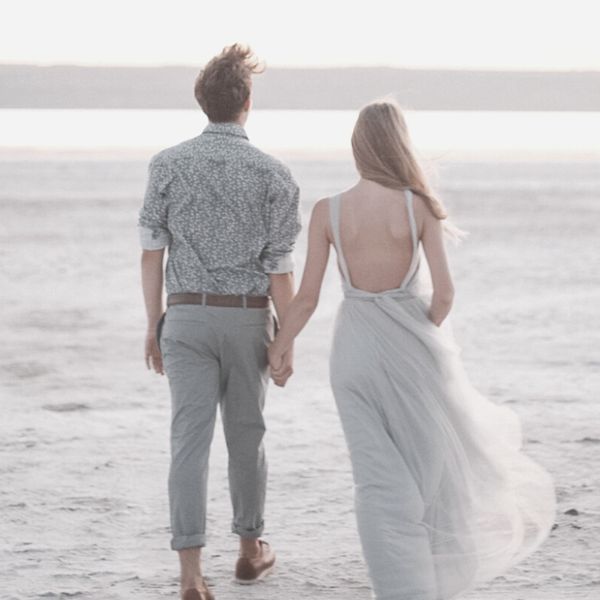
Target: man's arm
[[282, 292], [152, 284], [284, 226], [154, 238], [283, 223]]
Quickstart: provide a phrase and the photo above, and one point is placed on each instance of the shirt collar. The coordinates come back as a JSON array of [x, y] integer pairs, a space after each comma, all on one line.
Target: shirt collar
[[234, 129]]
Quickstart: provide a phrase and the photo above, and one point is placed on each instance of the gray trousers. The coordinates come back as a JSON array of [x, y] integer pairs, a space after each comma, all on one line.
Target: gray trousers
[[216, 356]]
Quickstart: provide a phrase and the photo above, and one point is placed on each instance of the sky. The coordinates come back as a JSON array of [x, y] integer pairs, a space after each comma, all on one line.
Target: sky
[[463, 34]]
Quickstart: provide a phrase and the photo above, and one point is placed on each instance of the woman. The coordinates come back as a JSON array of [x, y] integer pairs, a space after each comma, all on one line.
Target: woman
[[444, 497]]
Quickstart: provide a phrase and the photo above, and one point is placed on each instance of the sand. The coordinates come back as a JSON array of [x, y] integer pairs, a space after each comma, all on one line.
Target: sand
[[84, 428]]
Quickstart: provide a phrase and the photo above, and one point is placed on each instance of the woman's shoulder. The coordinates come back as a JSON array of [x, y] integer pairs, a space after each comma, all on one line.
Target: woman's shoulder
[[322, 205], [320, 218], [419, 202], [320, 209], [422, 209], [424, 218]]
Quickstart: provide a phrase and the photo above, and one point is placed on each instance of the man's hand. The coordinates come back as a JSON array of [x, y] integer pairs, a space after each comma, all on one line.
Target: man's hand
[[152, 354], [281, 365]]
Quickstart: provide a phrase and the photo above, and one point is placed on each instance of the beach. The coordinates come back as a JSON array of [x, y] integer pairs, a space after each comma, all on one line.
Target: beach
[[84, 446]]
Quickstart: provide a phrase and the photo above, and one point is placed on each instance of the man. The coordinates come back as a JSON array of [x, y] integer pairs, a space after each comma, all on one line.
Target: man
[[229, 215]]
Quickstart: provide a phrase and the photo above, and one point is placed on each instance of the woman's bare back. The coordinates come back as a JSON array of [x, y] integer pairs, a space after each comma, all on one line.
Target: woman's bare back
[[375, 236]]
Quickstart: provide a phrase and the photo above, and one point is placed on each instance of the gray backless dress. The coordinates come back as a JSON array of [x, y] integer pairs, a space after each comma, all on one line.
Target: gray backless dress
[[444, 496]]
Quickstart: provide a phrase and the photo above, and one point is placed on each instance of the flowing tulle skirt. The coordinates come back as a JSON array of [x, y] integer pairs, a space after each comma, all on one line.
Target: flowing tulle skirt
[[444, 496]]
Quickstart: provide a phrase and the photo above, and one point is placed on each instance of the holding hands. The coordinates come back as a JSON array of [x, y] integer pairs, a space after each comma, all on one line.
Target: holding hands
[[280, 363]]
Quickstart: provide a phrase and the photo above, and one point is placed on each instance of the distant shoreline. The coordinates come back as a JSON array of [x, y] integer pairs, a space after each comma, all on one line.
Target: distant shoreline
[[28, 86]]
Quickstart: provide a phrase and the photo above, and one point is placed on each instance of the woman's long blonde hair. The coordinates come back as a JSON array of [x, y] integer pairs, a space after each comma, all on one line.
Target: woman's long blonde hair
[[383, 153]]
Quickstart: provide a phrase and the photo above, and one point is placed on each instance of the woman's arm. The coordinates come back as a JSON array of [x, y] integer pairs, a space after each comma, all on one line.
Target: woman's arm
[[305, 302], [282, 293], [435, 252]]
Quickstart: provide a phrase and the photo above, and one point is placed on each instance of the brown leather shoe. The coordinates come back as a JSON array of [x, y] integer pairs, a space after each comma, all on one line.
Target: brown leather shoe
[[251, 570], [196, 594]]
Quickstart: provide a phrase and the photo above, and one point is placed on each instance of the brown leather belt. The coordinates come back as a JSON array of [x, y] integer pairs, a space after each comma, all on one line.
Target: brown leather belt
[[231, 301]]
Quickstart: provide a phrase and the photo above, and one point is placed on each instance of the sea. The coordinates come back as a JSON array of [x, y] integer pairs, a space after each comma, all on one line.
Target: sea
[[442, 134]]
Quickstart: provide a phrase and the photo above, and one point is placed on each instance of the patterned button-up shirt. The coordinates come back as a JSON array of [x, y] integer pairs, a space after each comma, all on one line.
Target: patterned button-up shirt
[[227, 211]]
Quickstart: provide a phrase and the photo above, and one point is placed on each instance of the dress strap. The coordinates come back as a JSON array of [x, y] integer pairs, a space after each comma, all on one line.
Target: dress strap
[[408, 194], [334, 217], [414, 263]]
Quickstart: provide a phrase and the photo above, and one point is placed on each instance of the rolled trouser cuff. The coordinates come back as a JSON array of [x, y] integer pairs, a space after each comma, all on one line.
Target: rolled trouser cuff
[[181, 542], [247, 532]]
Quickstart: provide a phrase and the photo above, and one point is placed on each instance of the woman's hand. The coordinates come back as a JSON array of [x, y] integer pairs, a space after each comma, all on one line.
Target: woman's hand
[[281, 364]]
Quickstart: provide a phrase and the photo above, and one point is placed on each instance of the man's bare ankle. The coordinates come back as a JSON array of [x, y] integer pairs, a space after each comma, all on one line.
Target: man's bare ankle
[[190, 577], [191, 568], [191, 581], [250, 547]]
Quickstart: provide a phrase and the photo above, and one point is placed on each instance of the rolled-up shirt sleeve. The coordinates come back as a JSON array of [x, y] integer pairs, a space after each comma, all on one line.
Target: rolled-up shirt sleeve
[[152, 224], [284, 223]]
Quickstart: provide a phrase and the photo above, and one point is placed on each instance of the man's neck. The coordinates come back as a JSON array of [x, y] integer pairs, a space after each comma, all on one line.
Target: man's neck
[[241, 120]]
